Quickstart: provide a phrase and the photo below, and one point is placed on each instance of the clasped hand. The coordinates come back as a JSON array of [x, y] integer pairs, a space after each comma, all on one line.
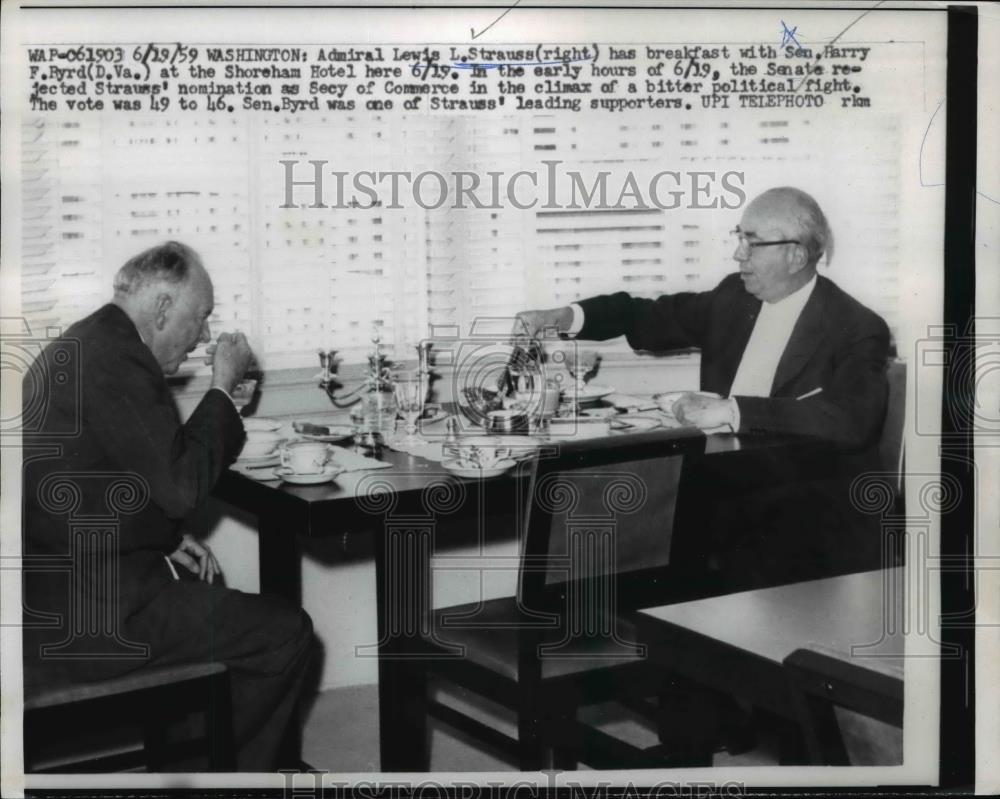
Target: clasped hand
[[197, 558]]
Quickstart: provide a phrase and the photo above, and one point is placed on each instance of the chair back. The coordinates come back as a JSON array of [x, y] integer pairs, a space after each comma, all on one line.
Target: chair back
[[601, 519], [819, 681], [890, 444]]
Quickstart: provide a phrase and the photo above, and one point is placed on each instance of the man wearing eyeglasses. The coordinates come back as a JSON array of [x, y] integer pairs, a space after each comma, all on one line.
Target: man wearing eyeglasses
[[786, 349]]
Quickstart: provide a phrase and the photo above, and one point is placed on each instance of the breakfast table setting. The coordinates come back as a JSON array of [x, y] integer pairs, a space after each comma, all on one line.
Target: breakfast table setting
[[490, 425]]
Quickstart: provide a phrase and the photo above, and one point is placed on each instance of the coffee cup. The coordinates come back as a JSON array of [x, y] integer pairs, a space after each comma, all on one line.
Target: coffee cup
[[260, 443], [305, 457]]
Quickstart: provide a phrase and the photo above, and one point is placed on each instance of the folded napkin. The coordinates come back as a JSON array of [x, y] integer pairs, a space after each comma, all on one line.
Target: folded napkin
[[262, 474], [351, 461], [431, 450]]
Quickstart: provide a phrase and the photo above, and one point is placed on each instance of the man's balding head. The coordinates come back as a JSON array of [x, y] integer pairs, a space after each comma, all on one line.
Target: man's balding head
[[168, 295], [807, 219], [782, 235]]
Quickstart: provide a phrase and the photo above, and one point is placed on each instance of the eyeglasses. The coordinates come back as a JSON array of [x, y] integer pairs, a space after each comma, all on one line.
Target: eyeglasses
[[743, 241]]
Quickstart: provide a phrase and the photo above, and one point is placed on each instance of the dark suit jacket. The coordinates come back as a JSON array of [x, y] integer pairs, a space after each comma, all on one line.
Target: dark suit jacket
[[127, 424], [838, 345]]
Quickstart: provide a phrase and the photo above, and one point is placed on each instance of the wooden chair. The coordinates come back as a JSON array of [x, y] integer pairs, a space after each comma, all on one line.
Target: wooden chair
[[147, 701], [820, 682], [596, 540]]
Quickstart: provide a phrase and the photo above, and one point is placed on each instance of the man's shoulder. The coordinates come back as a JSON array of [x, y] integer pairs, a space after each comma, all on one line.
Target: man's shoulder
[[842, 307], [104, 341]]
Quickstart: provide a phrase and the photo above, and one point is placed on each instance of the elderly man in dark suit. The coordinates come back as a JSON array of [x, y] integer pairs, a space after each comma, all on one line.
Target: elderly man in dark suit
[[155, 590], [788, 352]]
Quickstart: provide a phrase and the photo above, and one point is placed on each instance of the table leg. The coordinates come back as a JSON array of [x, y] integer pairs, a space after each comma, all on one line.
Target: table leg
[[281, 574], [403, 610], [280, 559]]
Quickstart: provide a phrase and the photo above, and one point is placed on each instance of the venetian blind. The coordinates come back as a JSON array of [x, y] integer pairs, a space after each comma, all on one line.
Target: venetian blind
[[100, 189]]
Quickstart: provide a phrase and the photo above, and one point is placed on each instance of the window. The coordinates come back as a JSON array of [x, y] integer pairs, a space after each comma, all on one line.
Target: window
[[346, 268]]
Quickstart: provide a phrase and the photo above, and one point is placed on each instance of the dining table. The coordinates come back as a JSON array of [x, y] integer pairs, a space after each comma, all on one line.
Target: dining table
[[738, 644], [396, 515]]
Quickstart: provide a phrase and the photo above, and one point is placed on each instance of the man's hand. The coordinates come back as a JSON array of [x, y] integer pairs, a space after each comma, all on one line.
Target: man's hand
[[230, 357], [197, 559], [530, 323], [704, 412]]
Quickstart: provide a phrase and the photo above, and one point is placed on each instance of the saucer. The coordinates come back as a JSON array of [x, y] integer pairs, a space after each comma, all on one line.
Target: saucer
[[261, 424], [498, 468], [308, 478], [271, 458]]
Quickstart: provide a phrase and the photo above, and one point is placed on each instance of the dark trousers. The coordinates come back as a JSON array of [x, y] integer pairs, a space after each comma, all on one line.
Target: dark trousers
[[264, 641]]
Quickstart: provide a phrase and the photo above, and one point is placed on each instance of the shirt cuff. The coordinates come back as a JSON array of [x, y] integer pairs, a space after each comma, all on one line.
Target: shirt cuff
[[577, 324], [734, 408], [235, 406]]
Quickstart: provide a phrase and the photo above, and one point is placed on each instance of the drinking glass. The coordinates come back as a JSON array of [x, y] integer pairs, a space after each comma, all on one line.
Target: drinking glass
[[580, 366], [410, 389]]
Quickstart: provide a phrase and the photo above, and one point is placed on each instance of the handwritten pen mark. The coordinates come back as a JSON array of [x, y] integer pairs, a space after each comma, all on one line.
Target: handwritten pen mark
[[788, 34], [920, 157], [833, 41], [856, 21], [494, 22], [920, 160]]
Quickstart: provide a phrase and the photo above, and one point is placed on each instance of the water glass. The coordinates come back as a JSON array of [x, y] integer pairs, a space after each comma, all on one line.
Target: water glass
[[410, 389]]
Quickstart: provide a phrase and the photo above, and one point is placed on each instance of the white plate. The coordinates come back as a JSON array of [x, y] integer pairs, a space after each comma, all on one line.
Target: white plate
[[325, 476], [591, 392], [493, 471], [261, 424], [272, 458], [628, 424]]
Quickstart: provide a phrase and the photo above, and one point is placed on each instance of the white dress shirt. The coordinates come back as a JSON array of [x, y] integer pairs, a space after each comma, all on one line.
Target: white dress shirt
[[767, 343]]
